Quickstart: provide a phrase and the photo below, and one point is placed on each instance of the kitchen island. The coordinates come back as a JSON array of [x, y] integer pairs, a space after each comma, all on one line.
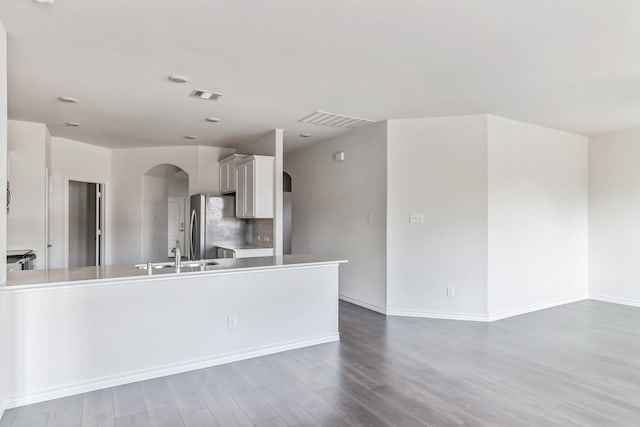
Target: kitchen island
[[81, 329]]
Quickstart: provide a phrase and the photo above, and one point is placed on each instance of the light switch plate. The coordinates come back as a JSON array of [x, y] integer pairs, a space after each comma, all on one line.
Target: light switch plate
[[232, 321], [416, 218]]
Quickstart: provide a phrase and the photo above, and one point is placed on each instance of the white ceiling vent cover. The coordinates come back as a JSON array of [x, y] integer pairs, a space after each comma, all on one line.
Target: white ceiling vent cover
[[335, 120], [206, 95]]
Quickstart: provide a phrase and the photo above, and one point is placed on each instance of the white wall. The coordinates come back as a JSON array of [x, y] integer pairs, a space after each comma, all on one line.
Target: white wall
[[27, 164], [154, 218], [437, 167], [6, 326], [76, 161], [538, 192], [3, 158], [77, 338], [331, 206], [179, 185], [614, 217], [128, 168]]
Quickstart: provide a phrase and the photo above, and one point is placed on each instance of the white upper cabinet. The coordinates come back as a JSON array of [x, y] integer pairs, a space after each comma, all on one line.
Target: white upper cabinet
[[255, 187], [228, 173]]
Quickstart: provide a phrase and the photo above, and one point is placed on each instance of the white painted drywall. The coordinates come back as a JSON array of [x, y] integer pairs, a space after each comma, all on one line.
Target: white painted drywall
[[27, 165], [3, 156], [6, 327], [178, 185], [76, 338], [157, 184], [537, 228], [76, 161], [614, 217], [438, 168], [331, 204]]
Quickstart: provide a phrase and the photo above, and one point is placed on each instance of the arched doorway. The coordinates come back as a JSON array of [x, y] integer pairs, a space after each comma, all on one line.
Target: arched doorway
[[165, 205]]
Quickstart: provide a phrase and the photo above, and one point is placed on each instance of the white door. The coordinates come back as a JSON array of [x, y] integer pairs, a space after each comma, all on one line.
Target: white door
[[176, 223]]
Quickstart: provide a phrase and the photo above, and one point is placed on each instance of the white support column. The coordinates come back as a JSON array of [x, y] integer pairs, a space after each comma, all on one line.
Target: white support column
[[278, 218]]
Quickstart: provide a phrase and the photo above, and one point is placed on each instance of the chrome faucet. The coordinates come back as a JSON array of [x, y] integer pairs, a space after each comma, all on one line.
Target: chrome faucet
[[178, 260]]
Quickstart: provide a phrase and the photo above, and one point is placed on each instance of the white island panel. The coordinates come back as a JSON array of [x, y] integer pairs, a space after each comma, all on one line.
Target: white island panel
[[74, 339]]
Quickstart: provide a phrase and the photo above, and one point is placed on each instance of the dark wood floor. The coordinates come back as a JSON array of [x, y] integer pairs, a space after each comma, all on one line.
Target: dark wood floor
[[575, 365]]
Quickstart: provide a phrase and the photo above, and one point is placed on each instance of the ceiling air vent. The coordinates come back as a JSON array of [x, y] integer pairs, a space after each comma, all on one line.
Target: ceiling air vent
[[206, 95], [334, 120]]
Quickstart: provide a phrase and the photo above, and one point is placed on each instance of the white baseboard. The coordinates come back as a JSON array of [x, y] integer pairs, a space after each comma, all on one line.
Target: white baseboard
[[535, 307], [131, 377], [623, 301], [486, 317], [364, 304], [437, 315]]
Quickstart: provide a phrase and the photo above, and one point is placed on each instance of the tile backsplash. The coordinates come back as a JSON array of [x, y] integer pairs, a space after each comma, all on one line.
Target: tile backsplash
[[261, 232]]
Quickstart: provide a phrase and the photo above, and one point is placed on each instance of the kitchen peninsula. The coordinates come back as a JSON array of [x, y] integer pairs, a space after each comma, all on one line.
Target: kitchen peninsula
[[90, 332]]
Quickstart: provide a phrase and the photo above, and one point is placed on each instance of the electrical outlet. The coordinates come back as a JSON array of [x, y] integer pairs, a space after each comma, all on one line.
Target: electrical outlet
[[416, 218], [451, 292], [232, 321]]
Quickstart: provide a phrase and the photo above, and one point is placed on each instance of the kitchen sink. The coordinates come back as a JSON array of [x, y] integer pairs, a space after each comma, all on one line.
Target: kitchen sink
[[155, 265], [201, 264], [197, 264]]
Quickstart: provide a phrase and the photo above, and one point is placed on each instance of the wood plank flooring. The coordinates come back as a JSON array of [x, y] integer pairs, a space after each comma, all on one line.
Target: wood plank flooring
[[575, 365]]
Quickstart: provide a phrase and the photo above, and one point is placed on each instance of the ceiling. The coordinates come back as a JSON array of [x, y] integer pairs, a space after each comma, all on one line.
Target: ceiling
[[567, 64]]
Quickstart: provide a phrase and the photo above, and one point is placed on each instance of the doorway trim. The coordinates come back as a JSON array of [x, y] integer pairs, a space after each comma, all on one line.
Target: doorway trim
[[103, 220]]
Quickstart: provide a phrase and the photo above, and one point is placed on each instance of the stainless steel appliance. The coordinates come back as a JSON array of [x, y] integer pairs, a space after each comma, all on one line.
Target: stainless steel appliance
[[21, 259], [213, 222]]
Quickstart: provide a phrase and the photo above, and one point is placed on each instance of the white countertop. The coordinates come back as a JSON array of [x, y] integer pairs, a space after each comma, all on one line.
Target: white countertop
[[29, 279]]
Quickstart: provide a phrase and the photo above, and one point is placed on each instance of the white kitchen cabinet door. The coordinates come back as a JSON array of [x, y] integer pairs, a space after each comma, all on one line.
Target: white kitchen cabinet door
[[225, 182], [228, 173], [255, 187], [241, 194]]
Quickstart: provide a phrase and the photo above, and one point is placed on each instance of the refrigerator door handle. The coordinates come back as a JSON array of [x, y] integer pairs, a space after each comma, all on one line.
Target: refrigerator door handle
[[194, 232]]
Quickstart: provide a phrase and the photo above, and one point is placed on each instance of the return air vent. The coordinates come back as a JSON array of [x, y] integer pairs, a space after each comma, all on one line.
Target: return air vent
[[334, 120], [206, 95]]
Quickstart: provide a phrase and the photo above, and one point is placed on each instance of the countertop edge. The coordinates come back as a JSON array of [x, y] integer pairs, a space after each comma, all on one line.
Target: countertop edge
[[161, 277]]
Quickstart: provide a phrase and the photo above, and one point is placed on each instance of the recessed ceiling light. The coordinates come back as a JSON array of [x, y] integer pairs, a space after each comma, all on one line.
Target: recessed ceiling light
[[207, 95], [68, 99], [177, 78], [45, 1], [305, 135], [212, 119], [190, 137], [73, 124]]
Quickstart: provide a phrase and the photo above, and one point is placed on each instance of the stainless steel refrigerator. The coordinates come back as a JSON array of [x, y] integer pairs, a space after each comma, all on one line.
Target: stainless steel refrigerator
[[213, 222]]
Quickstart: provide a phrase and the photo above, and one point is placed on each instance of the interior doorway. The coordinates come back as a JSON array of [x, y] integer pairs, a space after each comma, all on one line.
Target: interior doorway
[[176, 212], [86, 220]]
